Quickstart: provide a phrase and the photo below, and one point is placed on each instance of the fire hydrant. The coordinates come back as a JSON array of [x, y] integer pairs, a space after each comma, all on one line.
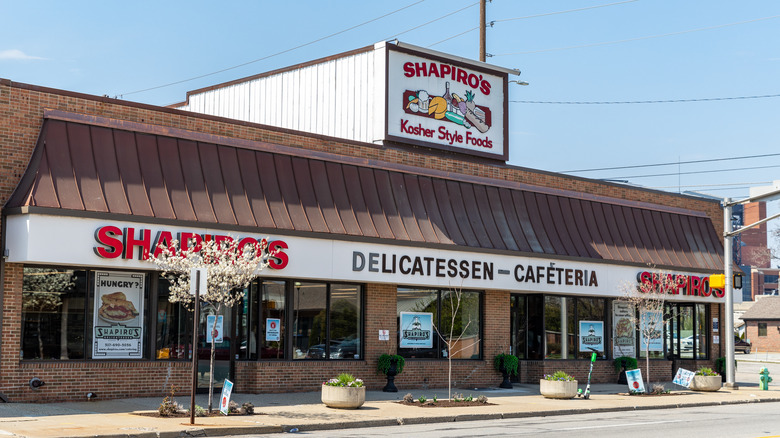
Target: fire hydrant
[[764, 378]]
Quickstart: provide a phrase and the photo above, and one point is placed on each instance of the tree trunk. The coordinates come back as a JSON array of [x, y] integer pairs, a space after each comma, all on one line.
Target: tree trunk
[[647, 365]]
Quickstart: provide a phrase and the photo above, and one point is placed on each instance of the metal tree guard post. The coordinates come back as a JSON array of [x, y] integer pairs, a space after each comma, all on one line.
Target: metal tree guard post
[[196, 316], [770, 193]]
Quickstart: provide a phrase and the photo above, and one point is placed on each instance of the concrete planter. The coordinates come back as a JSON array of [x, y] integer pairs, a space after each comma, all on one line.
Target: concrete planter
[[558, 388], [343, 397], [706, 383]]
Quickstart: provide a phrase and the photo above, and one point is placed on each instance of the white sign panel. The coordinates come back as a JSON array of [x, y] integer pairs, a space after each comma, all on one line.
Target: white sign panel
[[118, 318], [650, 327], [634, 379], [214, 332], [591, 336], [446, 104], [224, 399], [30, 240], [416, 330], [272, 329], [623, 333], [683, 377]]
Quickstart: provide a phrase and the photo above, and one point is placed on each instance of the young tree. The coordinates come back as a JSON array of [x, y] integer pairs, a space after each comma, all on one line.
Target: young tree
[[453, 316], [649, 299], [230, 268]]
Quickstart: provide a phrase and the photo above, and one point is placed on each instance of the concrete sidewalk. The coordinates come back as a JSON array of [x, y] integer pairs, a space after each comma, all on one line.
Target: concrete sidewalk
[[277, 413]]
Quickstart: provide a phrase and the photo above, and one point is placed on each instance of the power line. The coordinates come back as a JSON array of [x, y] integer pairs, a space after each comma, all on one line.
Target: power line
[[272, 55], [627, 102], [675, 163], [560, 12], [639, 38], [529, 16], [730, 185], [696, 172], [432, 21]]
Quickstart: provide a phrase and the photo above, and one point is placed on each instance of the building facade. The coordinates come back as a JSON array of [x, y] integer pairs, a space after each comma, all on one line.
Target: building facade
[[414, 244]]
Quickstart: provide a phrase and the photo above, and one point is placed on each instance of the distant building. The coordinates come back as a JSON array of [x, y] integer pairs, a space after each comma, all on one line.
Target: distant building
[[762, 324]]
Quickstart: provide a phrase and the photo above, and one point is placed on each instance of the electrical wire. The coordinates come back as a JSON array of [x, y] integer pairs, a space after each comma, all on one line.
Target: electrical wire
[[272, 55], [747, 184], [675, 163], [696, 172], [639, 38], [561, 12], [630, 102], [530, 16], [432, 21]]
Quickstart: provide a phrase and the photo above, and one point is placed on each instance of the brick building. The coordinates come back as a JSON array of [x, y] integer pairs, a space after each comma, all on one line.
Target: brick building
[[762, 324], [372, 225]]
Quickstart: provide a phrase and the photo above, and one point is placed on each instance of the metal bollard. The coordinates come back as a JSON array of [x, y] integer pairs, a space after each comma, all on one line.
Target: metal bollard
[[764, 378]]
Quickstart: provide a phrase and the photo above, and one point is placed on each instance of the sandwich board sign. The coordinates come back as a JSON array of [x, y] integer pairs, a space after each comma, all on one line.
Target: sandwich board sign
[[683, 377], [634, 378], [224, 399]]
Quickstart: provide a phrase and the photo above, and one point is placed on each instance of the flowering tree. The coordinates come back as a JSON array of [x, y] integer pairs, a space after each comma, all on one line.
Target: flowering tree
[[649, 299], [230, 265]]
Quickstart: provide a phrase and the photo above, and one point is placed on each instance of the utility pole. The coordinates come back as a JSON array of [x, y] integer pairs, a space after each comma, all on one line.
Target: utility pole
[[482, 30]]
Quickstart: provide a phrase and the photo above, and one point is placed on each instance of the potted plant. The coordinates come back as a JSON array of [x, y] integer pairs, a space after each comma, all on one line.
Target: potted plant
[[390, 365], [558, 385], [345, 391], [507, 365], [705, 379], [623, 364]]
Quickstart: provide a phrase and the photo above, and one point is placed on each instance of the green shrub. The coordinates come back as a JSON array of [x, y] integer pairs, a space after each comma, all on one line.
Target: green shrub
[[509, 362], [629, 363], [384, 361]]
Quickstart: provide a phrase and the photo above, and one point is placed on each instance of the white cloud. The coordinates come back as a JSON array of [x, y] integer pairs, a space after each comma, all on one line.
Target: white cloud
[[17, 55]]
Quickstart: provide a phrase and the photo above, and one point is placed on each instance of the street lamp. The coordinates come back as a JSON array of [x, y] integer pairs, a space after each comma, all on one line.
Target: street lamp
[[761, 194]]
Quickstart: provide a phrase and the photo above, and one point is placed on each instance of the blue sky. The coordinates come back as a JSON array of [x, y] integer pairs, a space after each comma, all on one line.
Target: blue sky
[[569, 51]]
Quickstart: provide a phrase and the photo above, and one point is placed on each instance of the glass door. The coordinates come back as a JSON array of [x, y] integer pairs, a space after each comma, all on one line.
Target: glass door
[[217, 326]]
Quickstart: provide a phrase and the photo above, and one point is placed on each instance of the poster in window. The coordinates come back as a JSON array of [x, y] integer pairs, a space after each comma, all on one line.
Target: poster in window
[[623, 337], [591, 336], [416, 330], [118, 317], [650, 328]]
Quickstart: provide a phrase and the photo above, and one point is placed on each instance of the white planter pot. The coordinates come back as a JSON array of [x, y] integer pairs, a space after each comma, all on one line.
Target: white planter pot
[[343, 397], [706, 383], [558, 388]]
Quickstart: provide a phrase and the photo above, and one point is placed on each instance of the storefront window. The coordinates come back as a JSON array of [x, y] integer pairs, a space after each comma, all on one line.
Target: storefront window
[[559, 327], [455, 321], [54, 307], [272, 321], [519, 321], [174, 322], [687, 335], [701, 331], [326, 321], [344, 322], [591, 325]]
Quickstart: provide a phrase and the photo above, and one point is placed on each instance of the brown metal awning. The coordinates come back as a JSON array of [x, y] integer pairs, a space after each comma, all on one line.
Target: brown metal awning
[[117, 170]]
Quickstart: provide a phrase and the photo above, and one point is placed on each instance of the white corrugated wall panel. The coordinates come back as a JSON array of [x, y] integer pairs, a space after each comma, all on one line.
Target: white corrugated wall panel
[[335, 98]]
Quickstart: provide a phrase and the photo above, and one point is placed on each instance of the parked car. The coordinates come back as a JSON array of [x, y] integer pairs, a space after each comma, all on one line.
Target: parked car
[[686, 344], [743, 346]]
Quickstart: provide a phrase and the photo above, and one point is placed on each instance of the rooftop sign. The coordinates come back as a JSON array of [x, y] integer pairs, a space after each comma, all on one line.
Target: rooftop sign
[[446, 103]]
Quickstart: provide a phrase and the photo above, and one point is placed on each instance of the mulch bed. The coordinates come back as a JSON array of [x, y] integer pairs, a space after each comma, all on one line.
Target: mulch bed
[[214, 413], [444, 403]]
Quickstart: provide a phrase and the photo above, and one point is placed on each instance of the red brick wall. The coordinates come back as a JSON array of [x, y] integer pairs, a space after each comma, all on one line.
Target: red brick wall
[[21, 117], [763, 344]]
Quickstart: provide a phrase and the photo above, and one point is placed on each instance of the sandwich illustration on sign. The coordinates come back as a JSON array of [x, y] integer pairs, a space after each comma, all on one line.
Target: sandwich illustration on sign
[[117, 308]]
